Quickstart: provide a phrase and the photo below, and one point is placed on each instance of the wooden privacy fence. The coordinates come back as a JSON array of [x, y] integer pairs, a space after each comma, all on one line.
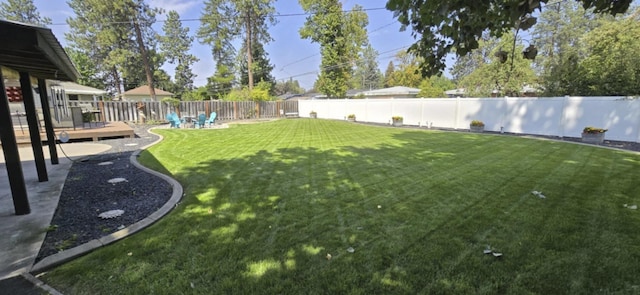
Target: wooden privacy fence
[[157, 111]]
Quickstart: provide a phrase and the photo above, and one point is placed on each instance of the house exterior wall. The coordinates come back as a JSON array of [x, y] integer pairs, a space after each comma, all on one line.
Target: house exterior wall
[[81, 97]]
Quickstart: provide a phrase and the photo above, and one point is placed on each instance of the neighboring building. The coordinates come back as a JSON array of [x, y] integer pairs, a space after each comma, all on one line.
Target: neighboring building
[[142, 94], [453, 93], [391, 92], [308, 95], [351, 93]]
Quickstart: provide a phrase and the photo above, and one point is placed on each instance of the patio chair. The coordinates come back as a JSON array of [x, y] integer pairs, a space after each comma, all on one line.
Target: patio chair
[[202, 118], [174, 120], [212, 119]]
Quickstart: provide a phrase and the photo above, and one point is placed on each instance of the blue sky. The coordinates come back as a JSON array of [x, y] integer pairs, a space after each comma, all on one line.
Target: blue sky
[[291, 55]]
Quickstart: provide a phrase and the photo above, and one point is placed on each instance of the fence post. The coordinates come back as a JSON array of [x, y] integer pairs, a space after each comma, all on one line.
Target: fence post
[[563, 118], [235, 110], [278, 108], [457, 114], [102, 113], [422, 113], [257, 109]]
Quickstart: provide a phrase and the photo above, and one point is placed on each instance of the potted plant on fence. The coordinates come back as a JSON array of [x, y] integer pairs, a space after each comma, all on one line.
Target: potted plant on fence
[[313, 114], [593, 135], [396, 120], [351, 117], [476, 126]]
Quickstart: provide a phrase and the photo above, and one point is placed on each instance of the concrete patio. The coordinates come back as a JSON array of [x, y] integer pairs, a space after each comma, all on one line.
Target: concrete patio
[[23, 235]]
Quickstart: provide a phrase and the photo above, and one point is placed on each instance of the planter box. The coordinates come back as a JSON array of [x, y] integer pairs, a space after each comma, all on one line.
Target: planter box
[[351, 119], [397, 123], [313, 115], [597, 138], [478, 129]]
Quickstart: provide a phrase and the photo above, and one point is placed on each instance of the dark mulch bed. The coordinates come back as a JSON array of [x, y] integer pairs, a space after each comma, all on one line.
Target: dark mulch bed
[[87, 193]]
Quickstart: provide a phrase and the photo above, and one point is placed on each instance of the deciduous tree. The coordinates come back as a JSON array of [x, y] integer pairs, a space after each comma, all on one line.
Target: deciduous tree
[[500, 76], [340, 36], [612, 66], [289, 86], [442, 27], [407, 71]]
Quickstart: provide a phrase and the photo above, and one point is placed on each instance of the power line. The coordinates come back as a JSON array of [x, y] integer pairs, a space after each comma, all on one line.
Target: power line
[[205, 18], [313, 55], [329, 67], [394, 50]]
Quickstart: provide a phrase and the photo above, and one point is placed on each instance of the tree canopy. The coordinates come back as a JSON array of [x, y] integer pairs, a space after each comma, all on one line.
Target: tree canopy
[[175, 45], [497, 75], [118, 39], [455, 26], [612, 70], [341, 36], [223, 21], [22, 11]]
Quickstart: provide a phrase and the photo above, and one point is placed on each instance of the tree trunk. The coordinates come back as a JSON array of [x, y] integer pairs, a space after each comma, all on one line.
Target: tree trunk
[[145, 59], [249, 51]]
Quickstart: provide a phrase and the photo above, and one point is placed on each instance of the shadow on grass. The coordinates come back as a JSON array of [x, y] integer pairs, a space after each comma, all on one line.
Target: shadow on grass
[[417, 212]]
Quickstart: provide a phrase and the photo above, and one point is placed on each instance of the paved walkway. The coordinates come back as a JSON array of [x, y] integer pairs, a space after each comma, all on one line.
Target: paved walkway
[[23, 235]]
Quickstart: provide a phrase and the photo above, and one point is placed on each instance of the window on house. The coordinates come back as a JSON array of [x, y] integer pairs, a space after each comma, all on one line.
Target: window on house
[[73, 97]]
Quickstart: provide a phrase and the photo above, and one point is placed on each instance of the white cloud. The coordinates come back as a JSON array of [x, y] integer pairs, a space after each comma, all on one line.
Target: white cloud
[[180, 6]]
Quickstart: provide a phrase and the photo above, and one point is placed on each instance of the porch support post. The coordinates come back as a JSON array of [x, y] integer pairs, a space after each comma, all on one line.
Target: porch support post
[[34, 129], [11, 155], [48, 127]]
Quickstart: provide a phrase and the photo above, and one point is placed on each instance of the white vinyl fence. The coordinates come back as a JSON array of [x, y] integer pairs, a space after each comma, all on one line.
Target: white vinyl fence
[[553, 116]]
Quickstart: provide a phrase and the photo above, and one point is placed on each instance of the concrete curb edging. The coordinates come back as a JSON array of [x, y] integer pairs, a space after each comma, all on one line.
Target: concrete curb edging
[[67, 255], [40, 284]]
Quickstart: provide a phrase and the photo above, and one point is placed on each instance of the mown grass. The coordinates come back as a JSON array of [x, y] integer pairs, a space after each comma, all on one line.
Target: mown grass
[[264, 204]]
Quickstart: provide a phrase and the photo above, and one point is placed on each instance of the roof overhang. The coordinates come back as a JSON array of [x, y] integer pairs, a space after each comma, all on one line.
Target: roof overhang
[[74, 88], [34, 49]]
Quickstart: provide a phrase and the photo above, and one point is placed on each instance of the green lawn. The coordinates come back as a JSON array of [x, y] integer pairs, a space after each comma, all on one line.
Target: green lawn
[[265, 203]]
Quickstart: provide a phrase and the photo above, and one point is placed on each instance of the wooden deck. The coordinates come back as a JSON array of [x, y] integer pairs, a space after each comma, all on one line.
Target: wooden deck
[[90, 131]]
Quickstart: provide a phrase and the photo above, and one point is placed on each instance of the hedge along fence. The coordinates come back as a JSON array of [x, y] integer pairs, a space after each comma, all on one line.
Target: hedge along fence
[[226, 110], [554, 116]]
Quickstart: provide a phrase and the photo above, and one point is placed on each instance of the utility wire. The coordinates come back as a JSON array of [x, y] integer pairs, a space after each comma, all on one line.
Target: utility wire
[[313, 55], [205, 18]]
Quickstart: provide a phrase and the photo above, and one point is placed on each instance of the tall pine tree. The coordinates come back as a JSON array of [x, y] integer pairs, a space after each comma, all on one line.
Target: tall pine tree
[[175, 45], [22, 11], [224, 21], [117, 37]]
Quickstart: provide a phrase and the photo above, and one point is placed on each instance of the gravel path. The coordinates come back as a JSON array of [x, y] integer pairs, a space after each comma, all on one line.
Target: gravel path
[[87, 193]]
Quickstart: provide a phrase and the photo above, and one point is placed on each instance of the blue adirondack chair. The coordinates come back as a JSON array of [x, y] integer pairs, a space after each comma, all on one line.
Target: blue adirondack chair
[[174, 120], [202, 118], [212, 119]]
